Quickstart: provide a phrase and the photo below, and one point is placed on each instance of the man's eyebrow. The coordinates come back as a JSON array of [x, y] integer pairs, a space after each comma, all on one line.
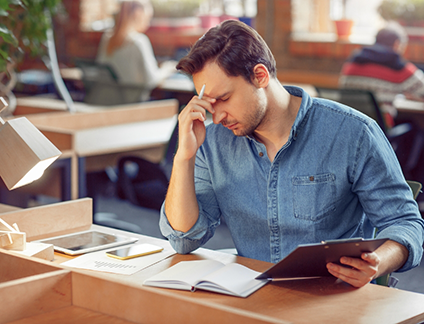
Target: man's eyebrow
[[222, 96]]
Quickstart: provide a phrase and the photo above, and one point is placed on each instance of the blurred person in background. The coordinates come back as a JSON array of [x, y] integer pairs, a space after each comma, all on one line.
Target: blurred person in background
[[382, 69], [128, 50]]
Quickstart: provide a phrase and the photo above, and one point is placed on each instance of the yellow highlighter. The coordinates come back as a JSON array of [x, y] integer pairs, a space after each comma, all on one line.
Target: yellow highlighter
[[134, 251]]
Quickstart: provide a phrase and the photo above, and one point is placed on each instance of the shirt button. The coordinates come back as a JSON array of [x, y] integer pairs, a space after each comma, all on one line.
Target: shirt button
[[311, 178], [261, 154]]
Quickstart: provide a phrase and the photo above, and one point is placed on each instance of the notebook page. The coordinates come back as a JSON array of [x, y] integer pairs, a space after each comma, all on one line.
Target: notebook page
[[188, 272], [233, 279]]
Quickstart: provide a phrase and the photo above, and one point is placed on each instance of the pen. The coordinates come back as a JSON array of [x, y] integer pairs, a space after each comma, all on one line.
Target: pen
[[202, 91]]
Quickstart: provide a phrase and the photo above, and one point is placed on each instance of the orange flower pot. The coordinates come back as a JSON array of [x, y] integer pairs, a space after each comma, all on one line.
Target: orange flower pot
[[344, 28]]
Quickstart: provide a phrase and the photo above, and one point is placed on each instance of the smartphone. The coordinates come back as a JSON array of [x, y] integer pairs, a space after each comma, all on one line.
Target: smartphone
[[134, 251]]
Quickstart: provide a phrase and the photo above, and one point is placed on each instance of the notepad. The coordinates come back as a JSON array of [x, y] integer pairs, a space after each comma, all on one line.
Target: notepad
[[231, 279]]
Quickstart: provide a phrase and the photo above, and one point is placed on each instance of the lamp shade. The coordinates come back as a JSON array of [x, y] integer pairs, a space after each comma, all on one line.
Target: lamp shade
[[24, 153]]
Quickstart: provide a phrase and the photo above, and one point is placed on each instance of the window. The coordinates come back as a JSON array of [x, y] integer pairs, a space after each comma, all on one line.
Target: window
[[97, 15], [313, 19]]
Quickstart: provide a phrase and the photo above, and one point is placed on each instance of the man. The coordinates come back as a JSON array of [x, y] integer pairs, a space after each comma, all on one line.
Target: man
[[381, 69], [282, 168]]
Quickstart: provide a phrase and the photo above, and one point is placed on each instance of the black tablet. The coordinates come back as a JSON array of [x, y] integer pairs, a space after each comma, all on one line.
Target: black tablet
[[309, 260]]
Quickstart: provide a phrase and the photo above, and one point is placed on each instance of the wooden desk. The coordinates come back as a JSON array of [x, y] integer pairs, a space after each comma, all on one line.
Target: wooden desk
[[41, 105], [97, 138], [409, 110], [406, 105], [6, 208], [177, 86], [36, 291]]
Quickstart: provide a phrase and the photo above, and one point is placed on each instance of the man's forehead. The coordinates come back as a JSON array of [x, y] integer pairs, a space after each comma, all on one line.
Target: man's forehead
[[216, 92], [216, 80]]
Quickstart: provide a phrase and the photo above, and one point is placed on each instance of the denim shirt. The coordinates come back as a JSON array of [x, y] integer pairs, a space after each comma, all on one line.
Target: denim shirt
[[336, 177]]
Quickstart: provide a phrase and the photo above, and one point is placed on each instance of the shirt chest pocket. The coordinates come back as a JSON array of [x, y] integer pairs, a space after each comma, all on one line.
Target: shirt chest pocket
[[314, 196]]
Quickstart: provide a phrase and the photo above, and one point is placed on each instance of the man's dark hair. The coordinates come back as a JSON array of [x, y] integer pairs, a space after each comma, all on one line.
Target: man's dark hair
[[234, 47], [390, 34]]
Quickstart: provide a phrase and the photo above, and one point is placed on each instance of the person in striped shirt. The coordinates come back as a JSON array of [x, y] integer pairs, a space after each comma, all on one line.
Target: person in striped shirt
[[382, 69]]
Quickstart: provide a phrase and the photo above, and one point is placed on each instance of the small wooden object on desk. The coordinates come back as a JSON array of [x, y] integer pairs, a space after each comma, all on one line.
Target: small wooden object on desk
[[39, 250], [11, 238]]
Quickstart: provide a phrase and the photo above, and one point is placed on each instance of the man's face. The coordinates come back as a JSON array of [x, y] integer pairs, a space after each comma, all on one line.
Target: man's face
[[240, 106]]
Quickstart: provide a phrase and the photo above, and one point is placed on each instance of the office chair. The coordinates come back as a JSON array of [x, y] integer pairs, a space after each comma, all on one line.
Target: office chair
[[407, 141], [415, 187], [144, 183], [361, 100], [102, 86]]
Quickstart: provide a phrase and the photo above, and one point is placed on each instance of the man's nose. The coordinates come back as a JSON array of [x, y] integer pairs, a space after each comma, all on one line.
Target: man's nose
[[218, 116]]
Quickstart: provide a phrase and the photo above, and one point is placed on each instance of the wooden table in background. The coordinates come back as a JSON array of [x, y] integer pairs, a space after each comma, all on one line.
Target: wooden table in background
[[410, 110]]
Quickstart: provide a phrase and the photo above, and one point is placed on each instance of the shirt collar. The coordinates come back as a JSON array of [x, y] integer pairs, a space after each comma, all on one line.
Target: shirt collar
[[303, 110]]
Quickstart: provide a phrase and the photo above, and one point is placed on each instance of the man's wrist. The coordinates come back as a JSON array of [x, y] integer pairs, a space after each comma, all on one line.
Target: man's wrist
[[182, 160]]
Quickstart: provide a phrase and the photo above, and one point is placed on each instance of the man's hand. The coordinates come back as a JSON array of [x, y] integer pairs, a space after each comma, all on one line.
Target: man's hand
[[357, 272], [192, 129], [387, 258]]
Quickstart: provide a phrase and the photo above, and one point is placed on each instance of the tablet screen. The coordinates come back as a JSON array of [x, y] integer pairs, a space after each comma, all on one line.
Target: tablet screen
[[83, 242]]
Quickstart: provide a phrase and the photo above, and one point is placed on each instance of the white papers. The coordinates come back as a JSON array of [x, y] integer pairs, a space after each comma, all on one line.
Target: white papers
[[99, 261]]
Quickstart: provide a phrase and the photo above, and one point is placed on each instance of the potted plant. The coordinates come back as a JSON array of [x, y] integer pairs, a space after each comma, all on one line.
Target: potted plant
[[23, 28], [344, 25], [406, 12], [409, 13]]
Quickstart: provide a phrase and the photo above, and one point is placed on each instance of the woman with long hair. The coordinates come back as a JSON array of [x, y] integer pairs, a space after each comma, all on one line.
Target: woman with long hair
[[128, 50]]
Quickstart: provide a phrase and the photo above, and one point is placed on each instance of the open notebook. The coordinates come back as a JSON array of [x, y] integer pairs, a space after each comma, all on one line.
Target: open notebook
[[231, 279]]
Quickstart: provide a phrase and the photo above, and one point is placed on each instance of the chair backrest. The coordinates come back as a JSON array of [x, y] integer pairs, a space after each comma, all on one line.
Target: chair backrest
[[106, 93], [415, 187], [361, 100], [168, 160], [102, 86], [94, 71]]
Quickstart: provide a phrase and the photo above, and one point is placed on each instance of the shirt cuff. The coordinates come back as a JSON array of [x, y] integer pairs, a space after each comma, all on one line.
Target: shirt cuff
[[184, 242], [415, 250]]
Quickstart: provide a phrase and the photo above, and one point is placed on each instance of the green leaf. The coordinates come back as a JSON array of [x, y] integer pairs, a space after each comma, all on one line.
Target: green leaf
[[5, 4], [8, 36], [2, 65], [24, 23], [4, 54]]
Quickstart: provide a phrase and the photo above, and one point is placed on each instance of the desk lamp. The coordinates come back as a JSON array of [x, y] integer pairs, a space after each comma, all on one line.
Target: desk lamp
[[24, 151]]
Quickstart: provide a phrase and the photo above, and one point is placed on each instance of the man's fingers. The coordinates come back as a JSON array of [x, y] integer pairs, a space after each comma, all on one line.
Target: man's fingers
[[197, 115], [367, 260], [350, 277], [357, 272]]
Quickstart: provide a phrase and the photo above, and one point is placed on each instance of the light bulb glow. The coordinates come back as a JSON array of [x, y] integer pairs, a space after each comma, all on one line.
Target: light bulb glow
[[35, 173]]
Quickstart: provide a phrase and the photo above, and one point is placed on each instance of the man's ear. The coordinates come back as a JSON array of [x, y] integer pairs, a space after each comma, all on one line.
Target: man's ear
[[260, 76]]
